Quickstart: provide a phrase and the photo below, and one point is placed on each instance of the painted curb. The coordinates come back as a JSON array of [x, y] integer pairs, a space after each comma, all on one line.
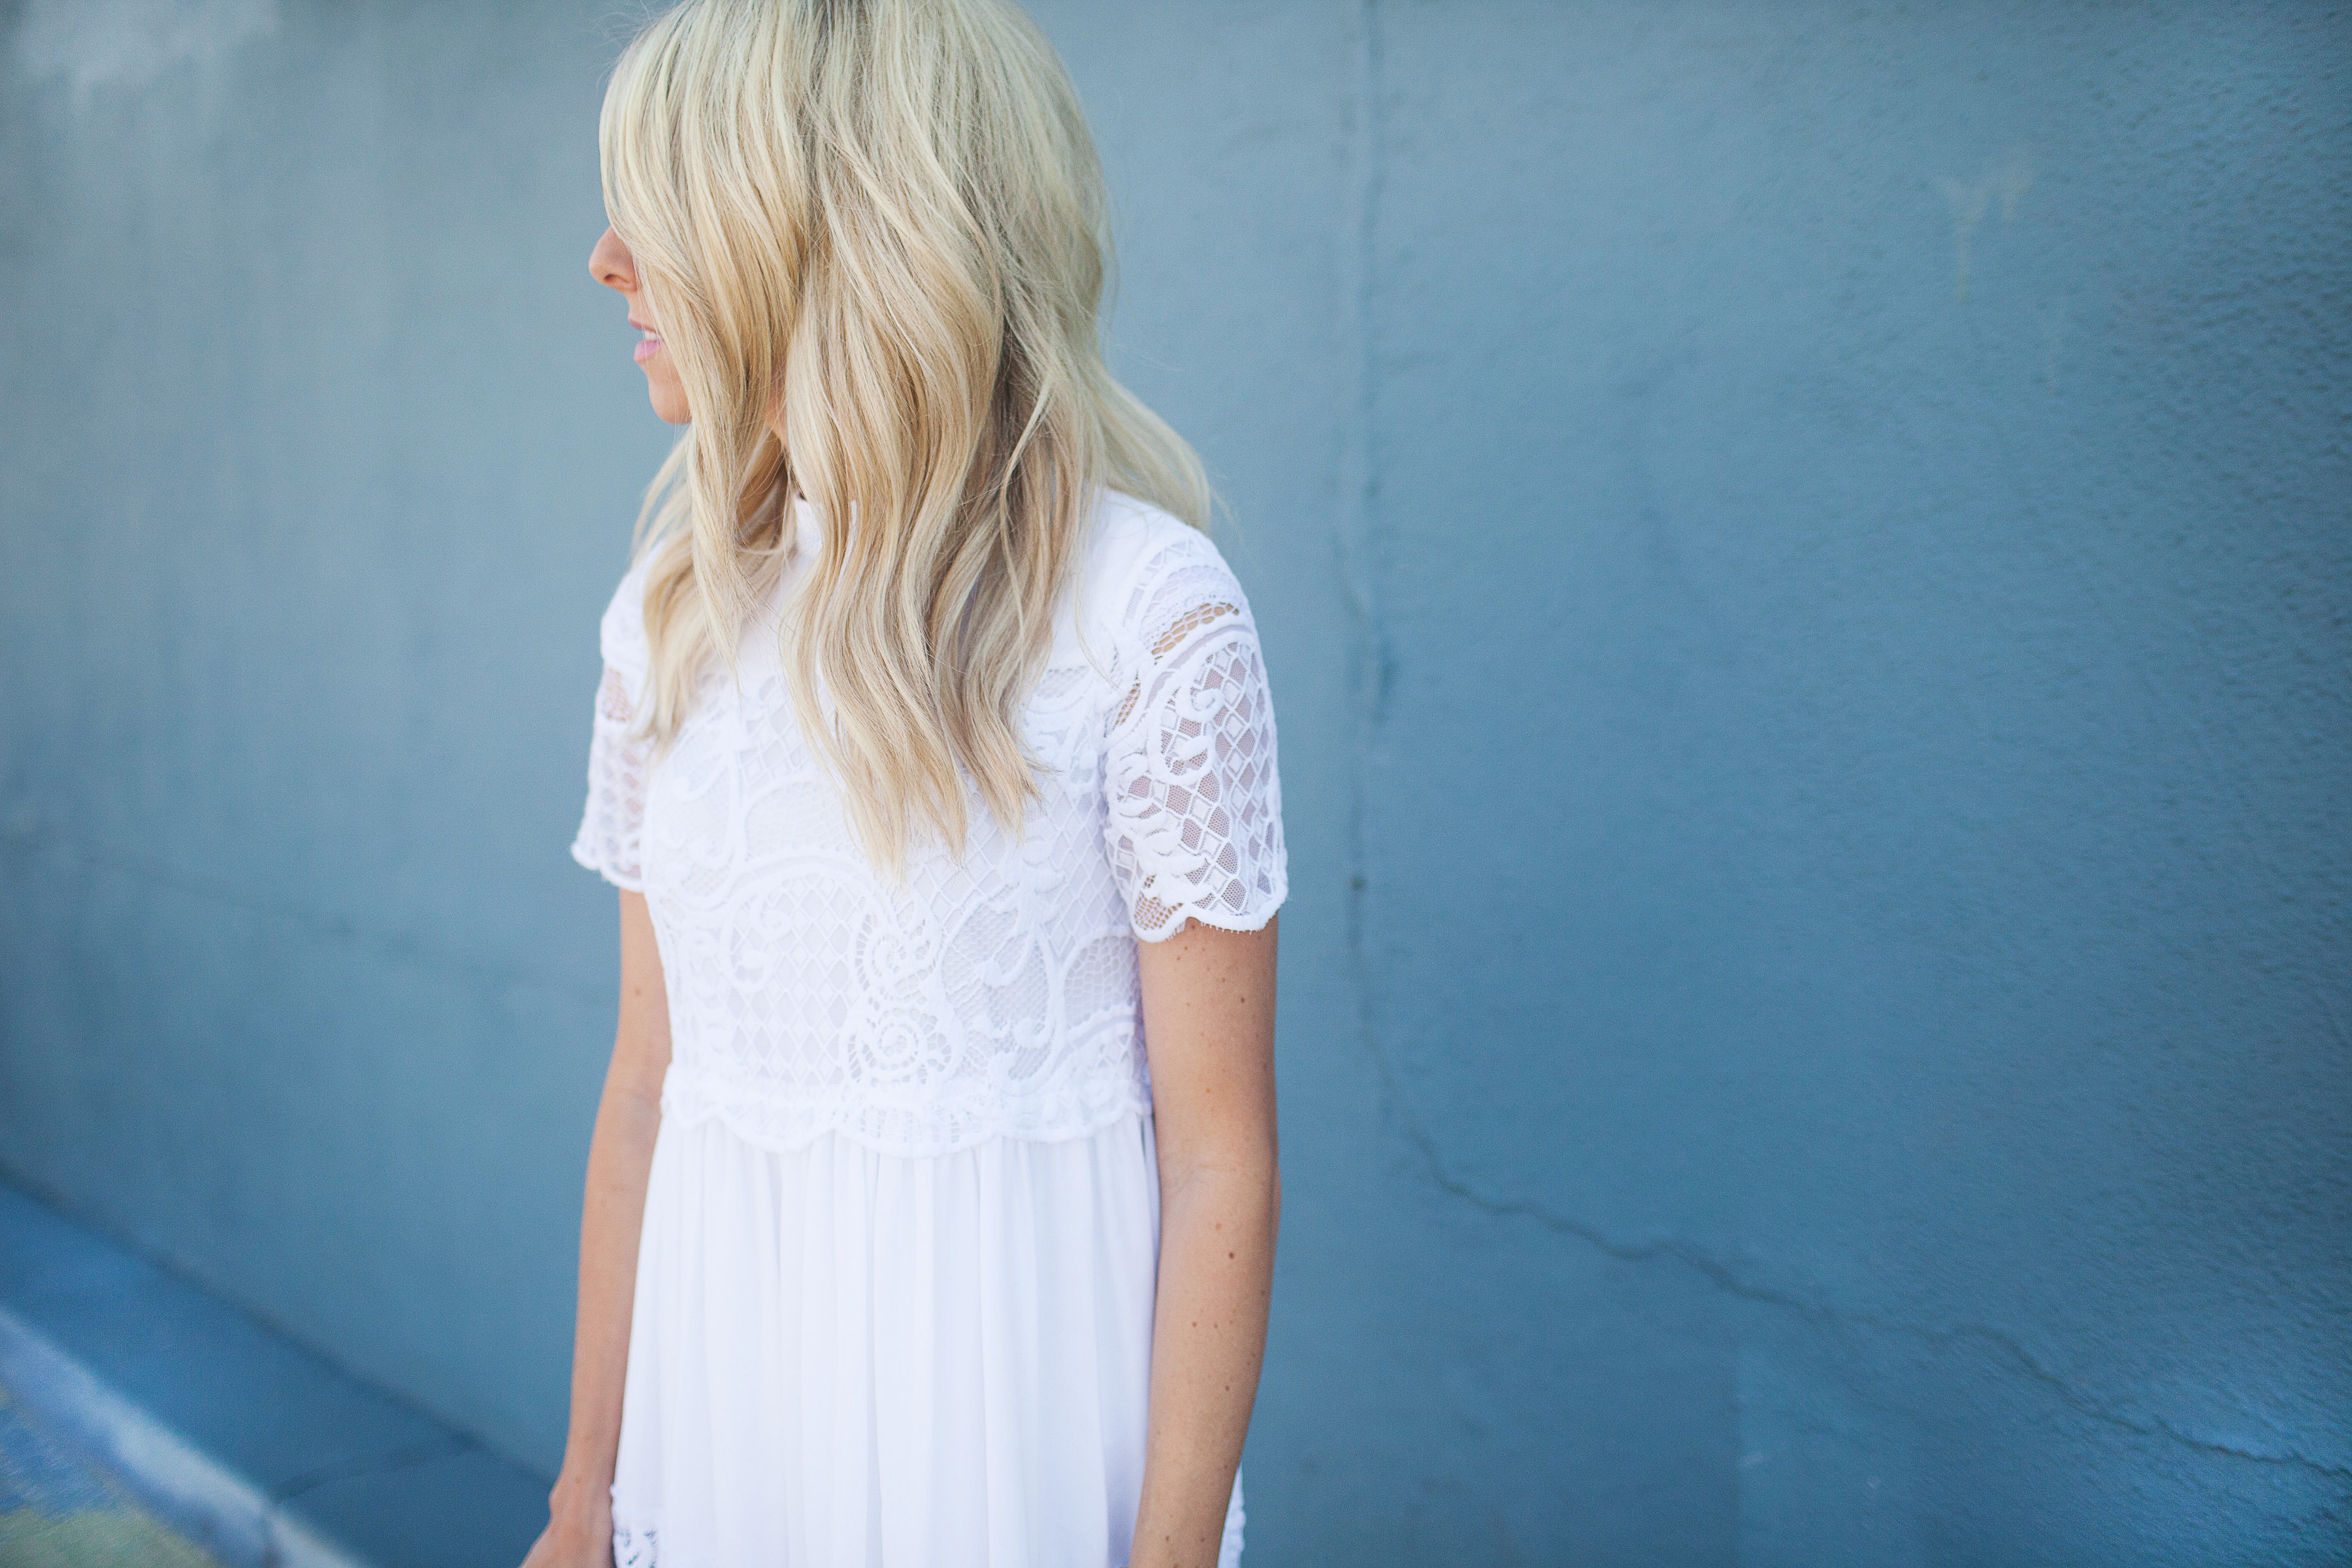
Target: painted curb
[[223, 1511]]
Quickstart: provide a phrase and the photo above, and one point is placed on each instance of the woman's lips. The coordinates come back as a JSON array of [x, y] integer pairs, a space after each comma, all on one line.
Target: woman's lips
[[647, 348]]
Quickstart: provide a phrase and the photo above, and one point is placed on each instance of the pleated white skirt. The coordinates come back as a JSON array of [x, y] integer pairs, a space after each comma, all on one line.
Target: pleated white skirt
[[840, 1359]]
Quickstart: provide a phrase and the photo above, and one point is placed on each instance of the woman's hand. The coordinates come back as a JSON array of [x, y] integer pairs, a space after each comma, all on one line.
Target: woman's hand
[[579, 1532]]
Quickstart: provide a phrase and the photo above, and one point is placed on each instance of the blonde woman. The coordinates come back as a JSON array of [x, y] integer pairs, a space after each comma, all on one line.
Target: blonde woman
[[932, 1203]]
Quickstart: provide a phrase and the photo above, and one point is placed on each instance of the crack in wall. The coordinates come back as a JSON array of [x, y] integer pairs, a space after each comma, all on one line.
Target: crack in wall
[[1368, 653], [1359, 548], [1728, 1279]]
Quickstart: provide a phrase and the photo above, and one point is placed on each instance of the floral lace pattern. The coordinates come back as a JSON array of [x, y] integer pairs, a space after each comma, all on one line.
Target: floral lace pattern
[[993, 995], [1195, 807]]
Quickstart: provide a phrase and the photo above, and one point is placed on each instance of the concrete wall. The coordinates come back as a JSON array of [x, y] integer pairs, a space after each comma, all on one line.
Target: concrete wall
[[1804, 551]]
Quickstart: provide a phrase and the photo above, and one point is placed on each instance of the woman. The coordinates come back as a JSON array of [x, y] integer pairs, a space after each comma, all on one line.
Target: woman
[[932, 1203]]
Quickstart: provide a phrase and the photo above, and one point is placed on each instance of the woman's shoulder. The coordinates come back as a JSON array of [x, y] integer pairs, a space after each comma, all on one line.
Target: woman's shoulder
[[621, 634], [1139, 555]]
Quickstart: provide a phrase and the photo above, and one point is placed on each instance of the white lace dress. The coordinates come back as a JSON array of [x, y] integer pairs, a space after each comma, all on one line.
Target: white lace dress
[[895, 1285]]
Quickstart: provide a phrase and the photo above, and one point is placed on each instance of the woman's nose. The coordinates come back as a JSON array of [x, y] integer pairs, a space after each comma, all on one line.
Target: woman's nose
[[611, 264]]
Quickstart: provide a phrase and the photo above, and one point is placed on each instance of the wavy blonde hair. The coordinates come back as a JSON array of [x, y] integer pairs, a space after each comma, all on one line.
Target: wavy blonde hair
[[873, 236]]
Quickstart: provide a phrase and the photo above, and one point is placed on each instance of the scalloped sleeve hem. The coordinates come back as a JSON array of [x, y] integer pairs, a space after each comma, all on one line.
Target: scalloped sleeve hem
[[628, 882], [612, 819], [1175, 919]]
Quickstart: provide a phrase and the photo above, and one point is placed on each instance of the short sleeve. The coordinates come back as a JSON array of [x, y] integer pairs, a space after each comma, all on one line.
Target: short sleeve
[[618, 759], [1194, 802]]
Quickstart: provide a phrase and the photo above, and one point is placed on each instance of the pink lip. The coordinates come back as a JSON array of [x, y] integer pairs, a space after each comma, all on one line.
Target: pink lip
[[647, 348]]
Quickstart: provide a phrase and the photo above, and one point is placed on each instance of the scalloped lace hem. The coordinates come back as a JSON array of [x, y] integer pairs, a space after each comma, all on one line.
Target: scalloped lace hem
[[641, 1548], [689, 1101], [635, 1548]]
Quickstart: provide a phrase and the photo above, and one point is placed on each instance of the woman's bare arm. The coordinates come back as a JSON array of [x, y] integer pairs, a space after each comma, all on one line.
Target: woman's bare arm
[[580, 1510], [1208, 1021]]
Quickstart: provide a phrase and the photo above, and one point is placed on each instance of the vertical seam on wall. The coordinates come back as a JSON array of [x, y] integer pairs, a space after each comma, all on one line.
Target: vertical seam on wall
[[1359, 488]]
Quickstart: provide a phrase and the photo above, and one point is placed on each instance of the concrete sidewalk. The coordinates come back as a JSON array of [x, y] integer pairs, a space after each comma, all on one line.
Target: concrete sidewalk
[[59, 1510], [258, 1452]]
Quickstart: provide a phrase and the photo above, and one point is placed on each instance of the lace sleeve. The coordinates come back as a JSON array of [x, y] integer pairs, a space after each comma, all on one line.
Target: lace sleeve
[[610, 826], [1194, 823]]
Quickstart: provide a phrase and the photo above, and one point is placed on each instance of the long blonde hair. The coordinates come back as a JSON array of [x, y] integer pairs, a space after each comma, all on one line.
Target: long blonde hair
[[871, 232]]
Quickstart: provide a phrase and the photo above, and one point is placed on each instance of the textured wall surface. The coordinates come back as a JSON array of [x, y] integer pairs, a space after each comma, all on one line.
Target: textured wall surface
[[1806, 557]]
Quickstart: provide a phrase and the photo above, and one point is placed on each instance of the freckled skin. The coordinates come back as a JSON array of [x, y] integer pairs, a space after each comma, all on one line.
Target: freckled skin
[[1208, 1026]]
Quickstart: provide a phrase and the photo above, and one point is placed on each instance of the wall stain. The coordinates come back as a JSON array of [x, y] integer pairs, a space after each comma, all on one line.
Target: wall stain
[[2006, 180], [2052, 320], [134, 43]]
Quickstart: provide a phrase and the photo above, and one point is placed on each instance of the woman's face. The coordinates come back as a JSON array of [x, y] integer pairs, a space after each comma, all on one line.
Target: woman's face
[[613, 267]]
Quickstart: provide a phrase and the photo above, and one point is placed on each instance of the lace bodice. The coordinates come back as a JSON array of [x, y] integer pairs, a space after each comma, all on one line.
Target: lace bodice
[[994, 995]]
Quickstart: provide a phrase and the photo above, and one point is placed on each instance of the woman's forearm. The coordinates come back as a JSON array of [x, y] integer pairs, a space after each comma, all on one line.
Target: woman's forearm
[[1208, 1021], [613, 1210], [1216, 1277], [612, 1217]]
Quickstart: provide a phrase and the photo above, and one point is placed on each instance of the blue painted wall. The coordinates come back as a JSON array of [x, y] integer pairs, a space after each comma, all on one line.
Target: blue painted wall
[[1804, 555]]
